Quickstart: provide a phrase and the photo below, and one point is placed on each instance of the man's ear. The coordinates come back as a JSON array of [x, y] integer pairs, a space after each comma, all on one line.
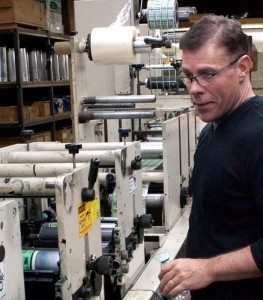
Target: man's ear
[[245, 65]]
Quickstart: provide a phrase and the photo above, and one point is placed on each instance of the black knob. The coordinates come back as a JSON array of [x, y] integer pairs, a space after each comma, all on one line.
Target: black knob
[[73, 148], [27, 133], [124, 132], [136, 164], [103, 265]]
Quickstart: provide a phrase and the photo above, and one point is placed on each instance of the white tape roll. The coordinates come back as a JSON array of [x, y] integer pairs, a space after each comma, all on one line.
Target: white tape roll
[[113, 45]]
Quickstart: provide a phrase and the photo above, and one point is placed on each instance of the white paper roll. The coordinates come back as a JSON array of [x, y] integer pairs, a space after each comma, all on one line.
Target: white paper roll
[[113, 45]]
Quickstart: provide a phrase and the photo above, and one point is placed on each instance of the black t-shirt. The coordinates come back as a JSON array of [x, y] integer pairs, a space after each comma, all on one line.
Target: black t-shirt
[[227, 189]]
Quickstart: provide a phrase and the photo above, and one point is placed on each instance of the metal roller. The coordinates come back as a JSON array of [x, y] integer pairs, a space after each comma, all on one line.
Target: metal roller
[[48, 233], [119, 99], [154, 200], [41, 260], [163, 82], [87, 115], [110, 105], [147, 177]]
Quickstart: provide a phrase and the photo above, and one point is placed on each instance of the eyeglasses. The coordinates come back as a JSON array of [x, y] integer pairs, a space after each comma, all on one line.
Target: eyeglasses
[[204, 78]]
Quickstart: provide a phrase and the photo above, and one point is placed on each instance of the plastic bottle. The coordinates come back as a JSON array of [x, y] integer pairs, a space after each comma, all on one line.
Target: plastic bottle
[[163, 256]]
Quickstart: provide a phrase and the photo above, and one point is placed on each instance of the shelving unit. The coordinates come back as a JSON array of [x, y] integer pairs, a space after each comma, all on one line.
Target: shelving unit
[[36, 99]]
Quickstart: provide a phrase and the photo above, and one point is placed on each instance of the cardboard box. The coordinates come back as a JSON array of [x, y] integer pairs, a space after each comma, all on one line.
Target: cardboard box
[[30, 112], [28, 12], [64, 135], [43, 108], [8, 113]]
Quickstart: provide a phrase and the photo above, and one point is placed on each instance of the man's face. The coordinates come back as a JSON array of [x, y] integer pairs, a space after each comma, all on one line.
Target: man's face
[[222, 94]]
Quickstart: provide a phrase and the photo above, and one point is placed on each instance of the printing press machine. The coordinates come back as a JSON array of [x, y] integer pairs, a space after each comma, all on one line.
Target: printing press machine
[[88, 217], [61, 234]]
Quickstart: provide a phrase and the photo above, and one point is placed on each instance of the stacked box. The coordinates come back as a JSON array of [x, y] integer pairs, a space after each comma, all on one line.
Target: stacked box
[[29, 12], [64, 135], [8, 113], [43, 108]]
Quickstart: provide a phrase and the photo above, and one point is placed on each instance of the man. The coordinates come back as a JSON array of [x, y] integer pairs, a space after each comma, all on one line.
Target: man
[[225, 238]]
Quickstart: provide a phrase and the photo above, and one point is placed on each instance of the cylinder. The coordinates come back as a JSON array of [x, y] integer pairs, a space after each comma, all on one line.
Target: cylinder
[[119, 99], [105, 157], [41, 260], [54, 146], [154, 200], [147, 177], [3, 64], [113, 45], [140, 46], [11, 64], [86, 115], [35, 170], [164, 83], [25, 186], [162, 14], [48, 233], [62, 48], [111, 106], [156, 177]]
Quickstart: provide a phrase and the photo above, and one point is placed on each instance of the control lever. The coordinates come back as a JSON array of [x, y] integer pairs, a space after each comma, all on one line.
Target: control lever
[[73, 149], [88, 194], [124, 132], [27, 134]]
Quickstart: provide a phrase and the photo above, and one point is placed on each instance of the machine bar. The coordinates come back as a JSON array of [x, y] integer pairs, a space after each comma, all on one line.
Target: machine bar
[[119, 99]]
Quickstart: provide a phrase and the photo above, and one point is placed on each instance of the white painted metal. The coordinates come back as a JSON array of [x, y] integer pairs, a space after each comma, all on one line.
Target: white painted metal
[[74, 250], [11, 265], [192, 137], [129, 205], [148, 281], [171, 171], [184, 144]]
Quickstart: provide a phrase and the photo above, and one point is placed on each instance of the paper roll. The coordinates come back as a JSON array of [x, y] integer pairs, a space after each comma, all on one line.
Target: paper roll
[[113, 45], [62, 48]]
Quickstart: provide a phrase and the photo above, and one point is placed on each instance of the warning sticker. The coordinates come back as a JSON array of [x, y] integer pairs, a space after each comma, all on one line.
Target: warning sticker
[[2, 279], [85, 218], [95, 209], [132, 182]]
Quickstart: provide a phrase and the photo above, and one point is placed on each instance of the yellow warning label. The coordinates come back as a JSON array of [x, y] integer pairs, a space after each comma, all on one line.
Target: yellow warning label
[[85, 218], [95, 209]]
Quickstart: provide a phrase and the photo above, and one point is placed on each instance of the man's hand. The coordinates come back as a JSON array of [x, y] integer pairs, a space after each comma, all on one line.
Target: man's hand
[[184, 274]]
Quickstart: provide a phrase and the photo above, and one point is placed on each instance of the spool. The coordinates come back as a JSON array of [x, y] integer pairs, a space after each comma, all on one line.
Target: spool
[[3, 65], [113, 45], [11, 64], [162, 14], [40, 260]]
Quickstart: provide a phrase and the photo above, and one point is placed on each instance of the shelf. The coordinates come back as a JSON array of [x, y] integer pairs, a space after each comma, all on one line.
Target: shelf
[[33, 102], [33, 84], [40, 84], [50, 119]]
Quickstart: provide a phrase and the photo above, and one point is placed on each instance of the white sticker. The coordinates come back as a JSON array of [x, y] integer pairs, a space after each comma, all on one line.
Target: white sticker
[[132, 182], [2, 280]]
